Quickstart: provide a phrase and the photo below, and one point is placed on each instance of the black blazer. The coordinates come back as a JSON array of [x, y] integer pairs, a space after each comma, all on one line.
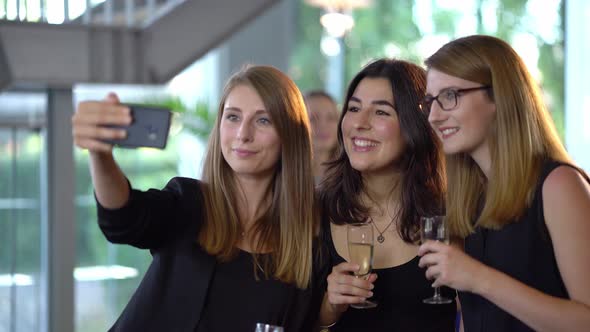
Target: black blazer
[[172, 293]]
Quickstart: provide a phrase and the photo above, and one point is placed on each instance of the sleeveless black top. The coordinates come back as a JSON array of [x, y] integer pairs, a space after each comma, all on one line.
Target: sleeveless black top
[[522, 250], [399, 292]]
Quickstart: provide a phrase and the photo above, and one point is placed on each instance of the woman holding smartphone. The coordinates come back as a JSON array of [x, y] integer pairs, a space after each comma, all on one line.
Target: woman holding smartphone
[[234, 249]]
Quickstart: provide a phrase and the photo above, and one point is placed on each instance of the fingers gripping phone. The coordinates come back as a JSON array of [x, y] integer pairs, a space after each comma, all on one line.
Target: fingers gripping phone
[[149, 127]]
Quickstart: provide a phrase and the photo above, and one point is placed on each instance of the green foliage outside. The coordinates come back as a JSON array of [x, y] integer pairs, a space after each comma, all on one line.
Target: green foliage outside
[[145, 168], [198, 119], [389, 22], [20, 228], [20, 178], [393, 24]]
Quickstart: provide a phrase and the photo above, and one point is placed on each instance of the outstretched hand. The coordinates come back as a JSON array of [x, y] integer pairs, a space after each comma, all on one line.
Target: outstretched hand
[[89, 123]]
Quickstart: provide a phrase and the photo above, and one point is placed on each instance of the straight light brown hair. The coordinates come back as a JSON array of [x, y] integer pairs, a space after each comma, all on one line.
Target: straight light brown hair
[[522, 137], [287, 227]]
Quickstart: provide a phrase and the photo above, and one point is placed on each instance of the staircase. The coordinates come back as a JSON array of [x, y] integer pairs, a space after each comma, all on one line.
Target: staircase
[[114, 41]]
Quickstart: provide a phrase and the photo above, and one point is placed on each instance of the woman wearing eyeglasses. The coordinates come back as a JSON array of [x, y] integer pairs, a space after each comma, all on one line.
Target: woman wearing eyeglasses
[[513, 194]]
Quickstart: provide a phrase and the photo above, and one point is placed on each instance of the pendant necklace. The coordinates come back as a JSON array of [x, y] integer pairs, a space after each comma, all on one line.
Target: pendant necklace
[[251, 254], [381, 238]]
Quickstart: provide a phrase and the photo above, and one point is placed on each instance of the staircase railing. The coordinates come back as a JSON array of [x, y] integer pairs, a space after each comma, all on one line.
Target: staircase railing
[[130, 13]]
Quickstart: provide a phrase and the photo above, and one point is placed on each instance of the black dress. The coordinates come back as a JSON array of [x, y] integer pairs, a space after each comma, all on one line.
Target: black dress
[[522, 250], [234, 292], [185, 288], [399, 292]]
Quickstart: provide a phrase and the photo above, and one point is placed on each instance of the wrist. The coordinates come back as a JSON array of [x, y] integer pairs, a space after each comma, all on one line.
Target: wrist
[[100, 155], [324, 327], [331, 314], [482, 280], [338, 309], [330, 321]]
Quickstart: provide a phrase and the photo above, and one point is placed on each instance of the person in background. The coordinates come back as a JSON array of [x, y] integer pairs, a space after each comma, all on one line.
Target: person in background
[[514, 195], [233, 249], [389, 172], [323, 114]]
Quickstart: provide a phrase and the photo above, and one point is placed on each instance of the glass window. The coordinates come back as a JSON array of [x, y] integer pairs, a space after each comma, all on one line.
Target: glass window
[[20, 229], [107, 275]]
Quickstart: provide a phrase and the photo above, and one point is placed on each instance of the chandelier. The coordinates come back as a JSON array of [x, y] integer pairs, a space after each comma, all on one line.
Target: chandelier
[[337, 19]]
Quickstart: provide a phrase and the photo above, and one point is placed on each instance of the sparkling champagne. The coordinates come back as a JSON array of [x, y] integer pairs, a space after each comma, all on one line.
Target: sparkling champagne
[[360, 248], [361, 254], [434, 228]]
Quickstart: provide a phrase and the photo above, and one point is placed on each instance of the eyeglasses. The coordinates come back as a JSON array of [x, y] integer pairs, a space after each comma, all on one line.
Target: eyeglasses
[[447, 99]]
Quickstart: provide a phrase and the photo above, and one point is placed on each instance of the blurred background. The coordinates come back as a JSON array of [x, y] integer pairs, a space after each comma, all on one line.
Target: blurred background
[[57, 272]]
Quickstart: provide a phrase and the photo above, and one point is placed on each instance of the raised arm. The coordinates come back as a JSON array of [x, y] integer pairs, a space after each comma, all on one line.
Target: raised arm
[[89, 130], [145, 219]]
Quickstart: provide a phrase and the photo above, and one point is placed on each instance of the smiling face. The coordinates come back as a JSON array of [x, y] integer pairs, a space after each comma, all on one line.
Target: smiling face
[[370, 128], [250, 143], [467, 127]]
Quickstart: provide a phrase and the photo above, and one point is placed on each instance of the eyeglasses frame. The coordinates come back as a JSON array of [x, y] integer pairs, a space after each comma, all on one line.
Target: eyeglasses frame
[[458, 93]]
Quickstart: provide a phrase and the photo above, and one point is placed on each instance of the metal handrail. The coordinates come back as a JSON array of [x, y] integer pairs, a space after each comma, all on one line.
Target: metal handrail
[[131, 13]]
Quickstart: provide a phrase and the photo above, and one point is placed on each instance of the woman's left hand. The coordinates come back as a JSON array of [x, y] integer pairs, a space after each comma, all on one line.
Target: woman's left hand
[[450, 266]]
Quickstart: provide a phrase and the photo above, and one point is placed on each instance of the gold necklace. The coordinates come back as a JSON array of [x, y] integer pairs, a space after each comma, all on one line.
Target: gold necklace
[[258, 264], [381, 238]]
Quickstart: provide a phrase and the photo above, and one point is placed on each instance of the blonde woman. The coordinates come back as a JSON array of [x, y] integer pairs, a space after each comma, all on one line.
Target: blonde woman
[[513, 194], [236, 248]]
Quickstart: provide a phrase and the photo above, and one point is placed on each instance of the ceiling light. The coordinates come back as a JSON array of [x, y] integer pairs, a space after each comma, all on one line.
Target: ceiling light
[[337, 24], [338, 5], [338, 19]]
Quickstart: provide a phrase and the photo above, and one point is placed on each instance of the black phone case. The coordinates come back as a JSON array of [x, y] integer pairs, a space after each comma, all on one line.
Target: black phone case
[[149, 128]]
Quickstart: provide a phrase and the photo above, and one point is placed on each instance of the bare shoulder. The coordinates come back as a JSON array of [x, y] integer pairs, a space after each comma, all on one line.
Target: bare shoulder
[[566, 199], [563, 184], [566, 205], [566, 202]]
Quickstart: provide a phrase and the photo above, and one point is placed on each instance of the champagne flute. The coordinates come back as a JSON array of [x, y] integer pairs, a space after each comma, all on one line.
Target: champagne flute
[[434, 228], [261, 327], [360, 249]]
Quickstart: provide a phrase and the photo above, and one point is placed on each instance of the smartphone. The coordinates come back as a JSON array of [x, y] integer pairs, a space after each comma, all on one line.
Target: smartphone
[[149, 127]]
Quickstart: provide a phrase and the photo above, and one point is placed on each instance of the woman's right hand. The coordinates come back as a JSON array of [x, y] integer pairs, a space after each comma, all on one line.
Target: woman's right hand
[[89, 123], [345, 289], [89, 130]]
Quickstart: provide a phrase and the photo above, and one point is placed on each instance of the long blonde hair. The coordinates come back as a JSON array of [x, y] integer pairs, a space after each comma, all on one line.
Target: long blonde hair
[[522, 137], [287, 227]]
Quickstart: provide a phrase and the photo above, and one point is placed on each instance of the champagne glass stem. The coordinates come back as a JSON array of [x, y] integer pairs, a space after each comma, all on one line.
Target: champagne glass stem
[[437, 292]]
